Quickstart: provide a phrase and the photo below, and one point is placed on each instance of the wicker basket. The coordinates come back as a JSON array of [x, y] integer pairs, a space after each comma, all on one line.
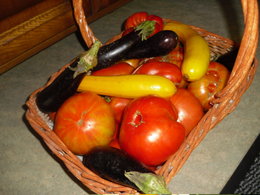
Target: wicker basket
[[225, 102]]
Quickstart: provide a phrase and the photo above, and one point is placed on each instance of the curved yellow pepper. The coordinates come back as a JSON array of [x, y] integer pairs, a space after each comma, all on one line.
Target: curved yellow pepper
[[196, 50], [128, 86]]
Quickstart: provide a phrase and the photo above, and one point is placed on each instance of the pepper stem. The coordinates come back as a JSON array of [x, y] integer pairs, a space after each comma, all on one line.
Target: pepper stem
[[87, 60], [148, 183]]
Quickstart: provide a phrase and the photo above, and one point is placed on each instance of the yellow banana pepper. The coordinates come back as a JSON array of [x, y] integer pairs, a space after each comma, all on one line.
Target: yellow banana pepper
[[196, 50], [128, 86]]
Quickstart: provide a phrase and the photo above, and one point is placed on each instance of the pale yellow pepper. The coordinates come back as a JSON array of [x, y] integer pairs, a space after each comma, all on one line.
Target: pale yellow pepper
[[128, 86], [196, 51]]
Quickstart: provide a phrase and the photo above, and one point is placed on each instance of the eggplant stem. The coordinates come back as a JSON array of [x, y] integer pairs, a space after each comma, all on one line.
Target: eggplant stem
[[149, 183], [87, 60]]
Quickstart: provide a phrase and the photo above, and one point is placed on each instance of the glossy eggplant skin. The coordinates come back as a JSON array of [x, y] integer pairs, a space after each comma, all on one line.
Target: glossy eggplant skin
[[115, 51], [159, 44], [52, 97], [111, 164]]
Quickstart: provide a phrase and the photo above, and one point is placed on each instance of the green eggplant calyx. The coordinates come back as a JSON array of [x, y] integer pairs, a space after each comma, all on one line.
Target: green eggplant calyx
[[146, 28], [148, 183], [87, 60]]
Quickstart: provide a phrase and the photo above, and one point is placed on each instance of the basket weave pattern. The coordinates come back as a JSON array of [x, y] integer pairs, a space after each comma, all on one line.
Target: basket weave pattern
[[225, 102]]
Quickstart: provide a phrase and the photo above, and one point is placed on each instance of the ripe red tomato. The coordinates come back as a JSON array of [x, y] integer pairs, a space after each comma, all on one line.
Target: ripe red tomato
[[118, 105], [149, 131], [84, 121], [121, 68], [158, 23], [137, 18], [214, 81], [157, 19], [165, 69], [189, 109]]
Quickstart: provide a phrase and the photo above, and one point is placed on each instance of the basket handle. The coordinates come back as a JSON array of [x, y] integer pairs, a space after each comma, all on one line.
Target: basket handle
[[80, 18], [247, 49]]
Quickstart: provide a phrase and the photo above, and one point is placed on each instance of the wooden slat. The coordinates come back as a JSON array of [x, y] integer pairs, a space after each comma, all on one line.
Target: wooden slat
[[28, 32], [28, 38]]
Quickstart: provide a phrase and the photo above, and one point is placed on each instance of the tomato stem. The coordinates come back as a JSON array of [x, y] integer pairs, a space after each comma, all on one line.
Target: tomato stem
[[146, 28]]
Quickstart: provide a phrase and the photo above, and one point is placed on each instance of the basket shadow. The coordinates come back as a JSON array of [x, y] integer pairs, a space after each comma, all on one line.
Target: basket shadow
[[60, 162], [81, 40]]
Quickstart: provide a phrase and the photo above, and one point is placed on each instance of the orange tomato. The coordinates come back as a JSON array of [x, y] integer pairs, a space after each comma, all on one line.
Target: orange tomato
[[189, 109], [210, 84]]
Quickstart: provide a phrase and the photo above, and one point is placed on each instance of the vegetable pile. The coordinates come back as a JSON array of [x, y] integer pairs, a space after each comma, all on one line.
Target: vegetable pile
[[127, 106]]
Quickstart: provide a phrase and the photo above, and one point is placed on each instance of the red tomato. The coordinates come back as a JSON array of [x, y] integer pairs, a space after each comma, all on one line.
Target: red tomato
[[214, 81], [157, 19], [118, 105], [84, 121], [149, 131], [189, 109], [121, 68], [135, 19], [165, 69], [158, 23]]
